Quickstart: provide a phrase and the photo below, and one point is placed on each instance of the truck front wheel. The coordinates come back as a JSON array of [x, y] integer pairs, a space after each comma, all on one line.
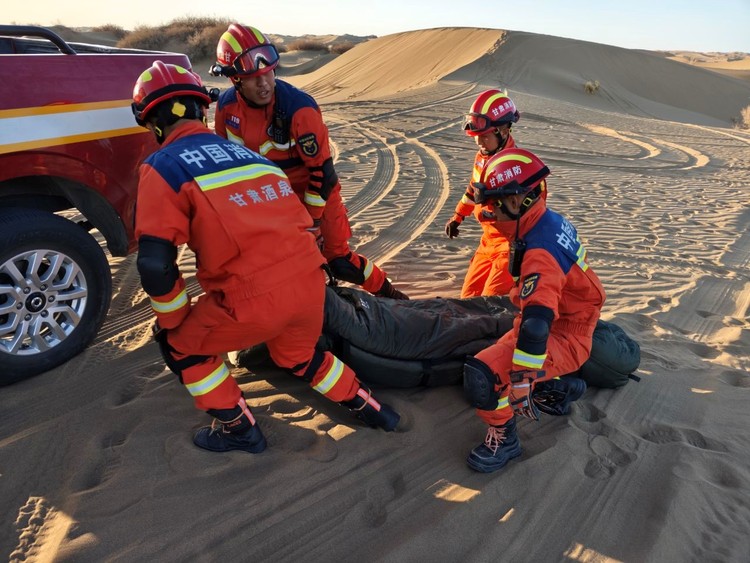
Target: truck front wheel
[[55, 289]]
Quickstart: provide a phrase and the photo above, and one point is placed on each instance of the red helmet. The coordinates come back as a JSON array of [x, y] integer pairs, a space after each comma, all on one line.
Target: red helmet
[[491, 109], [510, 172], [163, 81], [244, 51]]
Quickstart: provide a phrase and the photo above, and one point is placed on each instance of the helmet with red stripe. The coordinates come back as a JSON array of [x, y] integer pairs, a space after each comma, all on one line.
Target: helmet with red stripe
[[159, 83], [512, 171], [491, 109], [244, 51]]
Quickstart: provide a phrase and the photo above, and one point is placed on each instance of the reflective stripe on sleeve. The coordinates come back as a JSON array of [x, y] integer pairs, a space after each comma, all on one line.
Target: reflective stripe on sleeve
[[526, 360], [311, 198], [180, 300]]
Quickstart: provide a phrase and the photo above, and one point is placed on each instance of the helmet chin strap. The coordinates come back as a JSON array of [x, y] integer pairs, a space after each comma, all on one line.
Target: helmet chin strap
[[501, 142]]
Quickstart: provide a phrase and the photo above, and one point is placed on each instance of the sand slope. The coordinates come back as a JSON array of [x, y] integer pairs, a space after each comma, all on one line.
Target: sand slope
[[96, 462]]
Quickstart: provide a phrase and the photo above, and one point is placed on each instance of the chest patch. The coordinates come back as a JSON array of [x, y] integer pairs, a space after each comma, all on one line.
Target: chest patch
[[232, 121], [529, 285], [309, 144]]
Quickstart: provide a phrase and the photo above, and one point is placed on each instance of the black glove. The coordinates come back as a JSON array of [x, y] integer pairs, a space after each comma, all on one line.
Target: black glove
[[451, 228]]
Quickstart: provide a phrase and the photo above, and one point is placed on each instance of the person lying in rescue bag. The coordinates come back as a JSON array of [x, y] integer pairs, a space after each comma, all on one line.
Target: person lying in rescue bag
[[559, 298], [257, 262]]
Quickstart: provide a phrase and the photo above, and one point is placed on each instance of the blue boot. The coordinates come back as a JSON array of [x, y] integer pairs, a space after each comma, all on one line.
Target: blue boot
[[555, 395], [232, 429], [371, 412], [500, 446]]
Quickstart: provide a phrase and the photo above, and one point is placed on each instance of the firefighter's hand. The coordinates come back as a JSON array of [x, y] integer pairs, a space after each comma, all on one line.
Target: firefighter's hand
[[451, 228], [521, 387]]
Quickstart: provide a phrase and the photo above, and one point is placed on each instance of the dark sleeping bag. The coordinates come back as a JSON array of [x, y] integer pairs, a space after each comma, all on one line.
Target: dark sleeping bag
[[395, 343]]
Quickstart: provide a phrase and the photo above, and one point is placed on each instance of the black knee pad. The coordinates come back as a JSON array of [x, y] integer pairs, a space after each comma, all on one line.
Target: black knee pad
[[175, 366], [479, 384], [344, 270], [312, 366]]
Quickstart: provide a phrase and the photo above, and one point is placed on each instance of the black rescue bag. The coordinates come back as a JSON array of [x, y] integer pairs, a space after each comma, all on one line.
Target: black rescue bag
[[399, 343]]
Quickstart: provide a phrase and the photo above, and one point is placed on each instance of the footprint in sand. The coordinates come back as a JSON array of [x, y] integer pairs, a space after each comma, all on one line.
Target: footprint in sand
[[736, 379], [101, 464], [375, 507], [609, 458], [672, 434]]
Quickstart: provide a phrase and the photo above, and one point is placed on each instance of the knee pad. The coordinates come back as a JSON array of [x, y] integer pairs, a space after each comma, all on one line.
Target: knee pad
[[479, 385], [312, 366], [344, 270], [166, 350]]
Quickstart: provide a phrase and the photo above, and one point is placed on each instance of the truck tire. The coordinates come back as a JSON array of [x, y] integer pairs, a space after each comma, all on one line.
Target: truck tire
[[55, 290]]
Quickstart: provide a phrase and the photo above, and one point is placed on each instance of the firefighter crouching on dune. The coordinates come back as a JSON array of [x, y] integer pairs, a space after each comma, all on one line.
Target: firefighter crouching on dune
[[559, 297], [285, 125], [257, 261], [489, 121]]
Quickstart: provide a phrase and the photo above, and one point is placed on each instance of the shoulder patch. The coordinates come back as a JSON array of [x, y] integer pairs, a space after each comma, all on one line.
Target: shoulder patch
[[309, 144], [529, 285]]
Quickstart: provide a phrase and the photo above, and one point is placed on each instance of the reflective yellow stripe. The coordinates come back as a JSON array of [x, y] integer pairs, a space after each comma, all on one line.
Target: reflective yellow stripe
[[236, 139], [488, 103], [502, 403], [581, 257], [311, 198], [505, 158], [331, 378], [170, 306], [229, 38], [210, 382], [368, 268], [224, 178], [532, 361], [268, 146], [466, 201]]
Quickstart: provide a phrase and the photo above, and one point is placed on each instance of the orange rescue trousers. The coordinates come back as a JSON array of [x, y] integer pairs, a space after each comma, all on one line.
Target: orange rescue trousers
[[289, 319], [565, 354]]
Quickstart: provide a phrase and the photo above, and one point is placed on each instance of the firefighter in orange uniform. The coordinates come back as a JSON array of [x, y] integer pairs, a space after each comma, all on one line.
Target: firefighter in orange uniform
[[256, 256], [285, 125], [489, 121], [559, 298]]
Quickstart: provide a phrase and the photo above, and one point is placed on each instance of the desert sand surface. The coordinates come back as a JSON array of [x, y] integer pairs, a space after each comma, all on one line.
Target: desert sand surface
[[96, 458]]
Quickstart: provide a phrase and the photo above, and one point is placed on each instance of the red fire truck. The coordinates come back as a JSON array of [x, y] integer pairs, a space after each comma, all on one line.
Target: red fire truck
[[69, 156]]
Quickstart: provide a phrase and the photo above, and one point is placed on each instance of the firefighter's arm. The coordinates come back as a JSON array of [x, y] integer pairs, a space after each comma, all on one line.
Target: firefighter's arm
[[539, 292], [162, 224], [311, 136], [220, 127]]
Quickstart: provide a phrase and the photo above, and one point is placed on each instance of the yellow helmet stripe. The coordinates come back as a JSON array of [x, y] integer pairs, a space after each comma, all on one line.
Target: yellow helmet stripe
[[229, 38], [505, 158], [258, 35], [486, 106]]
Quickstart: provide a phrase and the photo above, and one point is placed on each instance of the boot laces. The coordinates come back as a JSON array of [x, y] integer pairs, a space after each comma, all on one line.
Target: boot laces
[[494, 438]]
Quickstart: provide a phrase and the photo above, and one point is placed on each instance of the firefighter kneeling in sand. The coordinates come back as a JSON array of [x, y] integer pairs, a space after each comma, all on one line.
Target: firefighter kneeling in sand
[[257, 261], [559, 299]]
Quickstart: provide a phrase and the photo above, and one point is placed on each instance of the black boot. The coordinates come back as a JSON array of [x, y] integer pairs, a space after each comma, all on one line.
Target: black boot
[[500, 446], [555, 395], [371, 412], [232, 429], [387, 290]]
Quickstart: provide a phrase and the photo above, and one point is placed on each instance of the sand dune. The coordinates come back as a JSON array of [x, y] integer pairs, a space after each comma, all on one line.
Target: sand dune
[[96, 462], [631, 81]]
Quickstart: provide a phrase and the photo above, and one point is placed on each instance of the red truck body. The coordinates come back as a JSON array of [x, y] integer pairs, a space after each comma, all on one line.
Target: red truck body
[[68, 141]]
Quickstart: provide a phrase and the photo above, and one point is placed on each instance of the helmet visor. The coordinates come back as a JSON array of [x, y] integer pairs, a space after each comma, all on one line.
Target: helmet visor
[[477, 123], [256, 59]]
